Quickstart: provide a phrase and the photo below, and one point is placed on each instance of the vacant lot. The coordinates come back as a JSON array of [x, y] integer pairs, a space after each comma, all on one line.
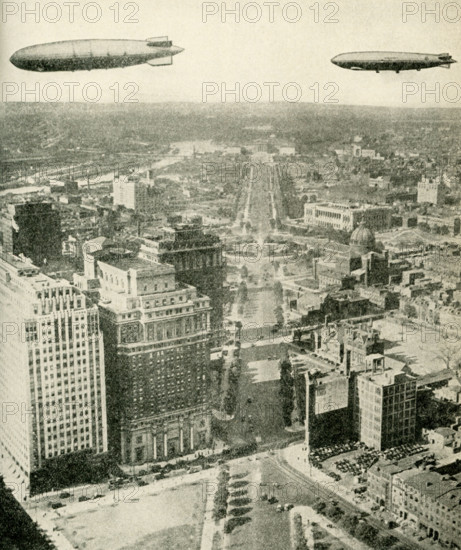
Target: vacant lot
[[172, 519]]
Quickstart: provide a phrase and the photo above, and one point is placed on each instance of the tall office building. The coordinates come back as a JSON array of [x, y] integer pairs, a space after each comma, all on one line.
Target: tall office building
[[431, 191], [354, 391], [198, 260], [385, 409], [52, 376], [32, 229], [134, 194], [156, 333]]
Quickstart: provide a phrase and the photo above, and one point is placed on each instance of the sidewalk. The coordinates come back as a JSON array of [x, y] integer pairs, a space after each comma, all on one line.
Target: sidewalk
[[133, 469], [210, 527]]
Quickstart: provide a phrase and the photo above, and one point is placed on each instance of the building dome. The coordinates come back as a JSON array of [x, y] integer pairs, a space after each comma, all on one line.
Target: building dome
[[363, 238]]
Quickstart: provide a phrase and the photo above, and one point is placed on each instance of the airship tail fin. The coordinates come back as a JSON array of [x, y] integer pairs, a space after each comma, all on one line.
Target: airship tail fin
[[159, 61], [159, 42]]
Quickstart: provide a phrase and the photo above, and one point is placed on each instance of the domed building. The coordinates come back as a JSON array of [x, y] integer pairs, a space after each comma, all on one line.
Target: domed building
[[363, 262], [362, 239]]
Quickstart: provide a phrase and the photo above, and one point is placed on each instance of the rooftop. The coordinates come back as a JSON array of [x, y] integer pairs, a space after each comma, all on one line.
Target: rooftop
[[126, 262]]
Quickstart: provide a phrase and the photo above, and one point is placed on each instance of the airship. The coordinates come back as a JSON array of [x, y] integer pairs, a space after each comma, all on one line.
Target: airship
[[78, 55], [391, 61]]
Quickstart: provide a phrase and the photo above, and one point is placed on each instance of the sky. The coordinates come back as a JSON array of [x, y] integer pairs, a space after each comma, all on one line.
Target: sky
[[290, 48]]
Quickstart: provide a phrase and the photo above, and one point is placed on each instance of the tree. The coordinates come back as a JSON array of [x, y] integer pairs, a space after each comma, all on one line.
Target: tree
[[366, 533], [286, 391], [278, 311], [384, 541], [242, 293], [410, 311], [350, 522], [334, 512], [319, 506], [278, 291], [448, 351]]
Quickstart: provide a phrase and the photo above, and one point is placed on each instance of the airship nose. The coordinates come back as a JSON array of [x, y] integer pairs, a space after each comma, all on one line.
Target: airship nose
[[176, 49], [14, 59], [334, 59]]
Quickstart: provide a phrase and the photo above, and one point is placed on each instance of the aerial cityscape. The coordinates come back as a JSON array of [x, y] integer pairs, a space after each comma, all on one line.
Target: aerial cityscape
[[230, 323]]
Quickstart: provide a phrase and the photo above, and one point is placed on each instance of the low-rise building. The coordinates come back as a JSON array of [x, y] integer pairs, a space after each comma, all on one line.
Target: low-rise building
[[346, 217]]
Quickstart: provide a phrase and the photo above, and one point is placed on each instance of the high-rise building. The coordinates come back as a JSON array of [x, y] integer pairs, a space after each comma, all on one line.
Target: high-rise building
[[52, 387], [385, 409], [431, 191], [32, 229], [354, 391], [134, 194], [198, 260], [156, 334]]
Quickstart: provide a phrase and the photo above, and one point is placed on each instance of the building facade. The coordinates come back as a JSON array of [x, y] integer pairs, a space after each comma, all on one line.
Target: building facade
[[385, 408], [431, 501], [430, 191], [198, 260], [52, 376], [134, 194], [32, 229], [351, 384], [346, 217], [157, 333]]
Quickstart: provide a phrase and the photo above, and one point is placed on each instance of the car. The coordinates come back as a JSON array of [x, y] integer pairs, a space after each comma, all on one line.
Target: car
[[56, 505], [83, 498], [142, 483], [97, 495], [65, 494]]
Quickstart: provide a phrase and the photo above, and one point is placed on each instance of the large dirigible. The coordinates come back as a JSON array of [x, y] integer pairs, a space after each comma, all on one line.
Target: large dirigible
[[391, 61], [77, 55]]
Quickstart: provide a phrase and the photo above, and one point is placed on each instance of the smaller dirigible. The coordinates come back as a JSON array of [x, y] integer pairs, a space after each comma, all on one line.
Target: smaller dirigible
[[391, 61], [81, 55]]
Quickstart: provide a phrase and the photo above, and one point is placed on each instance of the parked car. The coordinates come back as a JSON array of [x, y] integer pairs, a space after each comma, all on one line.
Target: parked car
[[56, 505], [65, 494], [83, 498]]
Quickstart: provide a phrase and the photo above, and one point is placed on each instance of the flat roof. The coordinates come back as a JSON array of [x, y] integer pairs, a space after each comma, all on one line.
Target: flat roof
[[138, 264]]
